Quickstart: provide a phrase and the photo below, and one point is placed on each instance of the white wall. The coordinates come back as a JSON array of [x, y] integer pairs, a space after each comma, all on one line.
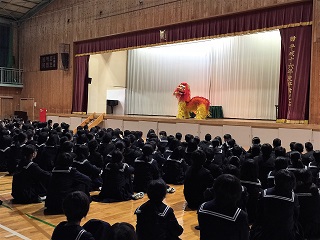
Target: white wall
[[108, 71]]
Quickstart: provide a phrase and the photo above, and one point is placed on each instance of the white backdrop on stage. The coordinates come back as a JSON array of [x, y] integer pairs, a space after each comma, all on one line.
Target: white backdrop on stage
[[239, 73]]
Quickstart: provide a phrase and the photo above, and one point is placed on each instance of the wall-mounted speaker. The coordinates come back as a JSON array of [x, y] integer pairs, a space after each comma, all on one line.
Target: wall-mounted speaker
[[65, 60]]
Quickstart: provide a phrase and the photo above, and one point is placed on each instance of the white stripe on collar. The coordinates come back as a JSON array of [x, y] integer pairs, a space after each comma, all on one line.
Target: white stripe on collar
[[253, 183], [279, 197], [82, 162], [28, 165], [219, 215], [164, 212], [62, 170]]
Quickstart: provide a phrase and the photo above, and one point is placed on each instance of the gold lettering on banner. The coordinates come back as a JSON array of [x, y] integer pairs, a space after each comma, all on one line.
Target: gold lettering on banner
[[290, 68]]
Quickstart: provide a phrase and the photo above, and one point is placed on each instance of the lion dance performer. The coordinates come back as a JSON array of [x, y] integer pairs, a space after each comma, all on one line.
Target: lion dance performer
[[197, 105]]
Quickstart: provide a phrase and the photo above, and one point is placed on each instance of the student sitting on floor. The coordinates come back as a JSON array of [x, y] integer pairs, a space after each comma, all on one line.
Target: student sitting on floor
[[197, 180], [123, 231], [145, 169], [156, 220], [30, 181], [278, 211], [117, 185], [220, 218], [175, 167], [65, 179], [75, 207], [309, 201]]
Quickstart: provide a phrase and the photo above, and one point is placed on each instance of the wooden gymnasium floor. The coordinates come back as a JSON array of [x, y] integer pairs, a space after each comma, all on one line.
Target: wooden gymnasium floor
[[28, 222]]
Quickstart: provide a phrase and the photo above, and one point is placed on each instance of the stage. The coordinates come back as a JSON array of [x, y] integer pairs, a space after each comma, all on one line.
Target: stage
[[241, 130]]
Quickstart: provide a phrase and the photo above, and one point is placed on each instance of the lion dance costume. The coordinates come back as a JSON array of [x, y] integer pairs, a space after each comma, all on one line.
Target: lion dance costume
[[197, 105]]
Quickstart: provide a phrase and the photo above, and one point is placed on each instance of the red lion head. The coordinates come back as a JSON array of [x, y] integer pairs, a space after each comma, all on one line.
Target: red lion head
[[182, 92]]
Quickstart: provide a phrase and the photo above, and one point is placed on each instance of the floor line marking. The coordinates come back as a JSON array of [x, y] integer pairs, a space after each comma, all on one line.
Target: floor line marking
[[14, 232]]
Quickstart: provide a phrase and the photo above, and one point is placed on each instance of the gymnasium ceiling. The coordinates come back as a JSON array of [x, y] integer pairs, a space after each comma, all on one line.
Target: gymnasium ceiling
[[19, 10]]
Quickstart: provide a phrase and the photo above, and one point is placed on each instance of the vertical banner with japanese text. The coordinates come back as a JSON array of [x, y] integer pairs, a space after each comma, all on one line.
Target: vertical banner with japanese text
[[294, 74]]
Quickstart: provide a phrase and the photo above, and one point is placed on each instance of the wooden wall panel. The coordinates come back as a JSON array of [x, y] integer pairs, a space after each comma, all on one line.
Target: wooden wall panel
[[74, 20], [314, 115], [13, 93]]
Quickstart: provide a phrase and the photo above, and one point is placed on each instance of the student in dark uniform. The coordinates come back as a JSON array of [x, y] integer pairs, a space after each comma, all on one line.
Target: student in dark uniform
[[220, 218], [279, 163], [30, 181], [95, 158], [65, 179], [265, 163], [278, 211], [145, 169], [249, 179], [116, 177], [14, 153], [309, 201], [156, 220], [314, 167], [49, 154], [82, 164], [174, 168], [197, 180], [75, 207]]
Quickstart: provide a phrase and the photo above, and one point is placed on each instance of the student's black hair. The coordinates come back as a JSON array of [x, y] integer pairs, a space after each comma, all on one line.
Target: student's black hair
[[280, 163], [231, 142], [117, 156], [196, 139], [308, 146], [43, 137], [255, 150], [64, 160], [62, 140], [93, 145], [207, 137], [147, 149], [55, 125], [215, 143], [82, 151], [298, 147], [127, 133], [280, 152], [76, 206], [292, 145], [174, 143], [178, 136], [249, 171], [219, 139], [235, 161], [276, 142], [67, 146], [304, 181], [177, 153], [192, 146], [188, 137], [236, 150], [157, 190], [123, 231], [209, 153], [295, 156], [227, 136], [285, 181], [82, 138], [120, 145], [22, 137], [256, 140], [316, 155], [266, 149], [28, 151], [198, 158], [162, 134], [227, 189], [231, 169]]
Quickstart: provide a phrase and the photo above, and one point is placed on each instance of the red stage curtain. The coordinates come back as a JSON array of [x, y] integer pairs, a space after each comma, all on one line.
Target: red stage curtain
[[294, 74], [266, 19], [80, 86]]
